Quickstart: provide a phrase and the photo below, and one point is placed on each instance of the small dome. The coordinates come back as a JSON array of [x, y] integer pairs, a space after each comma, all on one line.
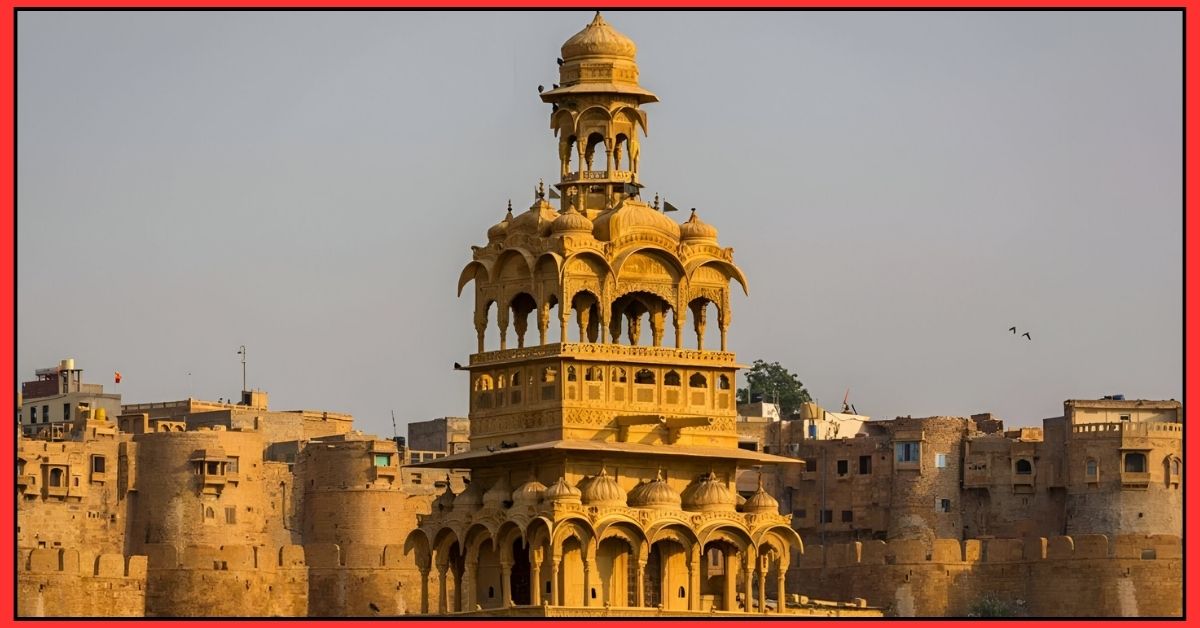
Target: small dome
[[560, 491], [528, 494], [708, 493], [499, 493], [655, 494], [603, 490], [500, 229], [761, 501], [469, 499], [598, 39], [536, 221], [696, 230], [632, 217], [571, 222], [445, 501]]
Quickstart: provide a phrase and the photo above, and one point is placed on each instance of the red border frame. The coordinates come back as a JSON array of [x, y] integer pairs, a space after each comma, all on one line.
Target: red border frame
[[7, 214]]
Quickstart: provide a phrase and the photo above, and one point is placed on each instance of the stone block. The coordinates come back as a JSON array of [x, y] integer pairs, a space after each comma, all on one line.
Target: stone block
[[110, 566], [1034, 548], [972, 550], [201, 557], [44, 560], [291, 556], [136, 567], [237, 556], [393, 556], [69, 562], [1129, 546], [947, 551], [908, 551], [874, 552], [356, 555], [1092, 546], [1060, 547], [1003, 550], [323, 556]]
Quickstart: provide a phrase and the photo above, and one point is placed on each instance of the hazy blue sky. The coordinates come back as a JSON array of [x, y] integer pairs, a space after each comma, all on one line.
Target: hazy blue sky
[[900, 188]]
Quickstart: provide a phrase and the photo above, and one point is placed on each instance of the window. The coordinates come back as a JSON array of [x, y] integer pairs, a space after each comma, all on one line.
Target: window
[[942, 505], [1091, 469], [1135, 463], [619, 375], [671, 378], [232, 465], [231, 514], [212, 468], [549, 374], [941, 461], [723, 382], [812, 430], [810, 465], [847, 516], [697, 380], [570, 373], [1024, 467], [32, 414], [908, 452], [843, 467], [209, 514], [45, 414], [864, 465], [1124, 417], [66, 411], [56, 477], [644, 376], [1175, 467], [483, 382], [383, 460], [826, 516], [516, 379], [593, 374], [97, 464]]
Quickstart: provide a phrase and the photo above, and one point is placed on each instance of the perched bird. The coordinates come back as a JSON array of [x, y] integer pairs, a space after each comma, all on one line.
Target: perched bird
[[540, 88], [554, 86], [458, 367], [560, 61], [491, 449], [1012, 329], [1026, 334]]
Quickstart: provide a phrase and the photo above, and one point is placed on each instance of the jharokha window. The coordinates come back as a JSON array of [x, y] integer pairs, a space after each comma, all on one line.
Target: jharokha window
[[697, 380], [1135, 463], [619, 375], [723, 382], [1091, 469], [671, 378], [644, 376], [1024, 467], [593, 374], [570, 373]]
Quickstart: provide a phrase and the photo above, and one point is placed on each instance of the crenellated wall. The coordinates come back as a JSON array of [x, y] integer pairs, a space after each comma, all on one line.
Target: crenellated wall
[[227, 581], [67, 583], [362, 581], [1082, 576]]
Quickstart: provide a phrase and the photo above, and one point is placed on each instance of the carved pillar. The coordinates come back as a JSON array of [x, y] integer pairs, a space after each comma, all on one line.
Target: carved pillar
[[608, 156], [730, 593], [723, 324], [502, 321], [505, 584], [587, 582], [593, 325], [456, 603], [748, 580], [781, 579], [521, 324], [535, 577], [468, 585], [679, 323], [564, 156], [764, 563], [583, 315], [543, 322], [424, 571], [618, 150], [555, 593], [701, 318], [635, 329], [641, 583], [443, 592], [614, 328], [694, 578], [480, 327], [657, 325]]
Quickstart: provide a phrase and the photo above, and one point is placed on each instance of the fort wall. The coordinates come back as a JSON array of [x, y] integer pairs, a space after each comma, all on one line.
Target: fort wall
[[1083, 576], [226, 581], [363, 581], [67, 583]]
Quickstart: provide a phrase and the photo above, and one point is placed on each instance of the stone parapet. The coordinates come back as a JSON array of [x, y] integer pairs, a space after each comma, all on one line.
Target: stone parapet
[[68, 583]]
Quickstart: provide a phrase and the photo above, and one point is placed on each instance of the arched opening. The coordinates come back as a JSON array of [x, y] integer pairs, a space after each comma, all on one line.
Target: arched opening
[[586, 307], [570, 575], [595, 153], [666, 576], [643, 376], [620, 150], [643, 317], [719, 572], [672, 379], [520, 307], [553, 329], [490, 334], [519, 579], [614, 560], [572, 154], [1135, 462], [1024, 467], [56, 477], [487, 577], [706, 331], [697, 380], [1091, 470]]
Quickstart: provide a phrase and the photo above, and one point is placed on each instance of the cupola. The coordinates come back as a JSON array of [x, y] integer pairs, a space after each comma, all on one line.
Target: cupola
[[708, 494], [655, 494], [562, 492], [603, 490]]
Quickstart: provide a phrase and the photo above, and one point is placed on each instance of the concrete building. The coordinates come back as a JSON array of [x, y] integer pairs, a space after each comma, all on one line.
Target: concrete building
[[451, 435], [49, 402]]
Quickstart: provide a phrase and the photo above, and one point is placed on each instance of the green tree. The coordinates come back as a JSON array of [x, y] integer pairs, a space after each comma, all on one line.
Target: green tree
[[776, 385]]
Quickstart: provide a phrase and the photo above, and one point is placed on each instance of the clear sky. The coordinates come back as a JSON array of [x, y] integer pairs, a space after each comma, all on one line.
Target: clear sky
[[900, 188]]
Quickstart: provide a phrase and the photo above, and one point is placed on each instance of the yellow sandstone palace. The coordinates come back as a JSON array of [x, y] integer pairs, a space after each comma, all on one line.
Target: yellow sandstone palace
[[602, 469]]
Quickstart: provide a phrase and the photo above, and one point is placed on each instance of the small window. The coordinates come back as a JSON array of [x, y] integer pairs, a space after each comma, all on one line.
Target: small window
[[516, 379], [33, 414], [383, 460], [810, 465], [593, 374], [671, 379], [812, 431], [416, 478], [1175, 467], [56, 477], [843, 467], [682, 592], [847, 516], [570, 373], [942, 505], [45, 414], [723, 382], [491, 592], [826, 516], [941, 461], [1024, 467], [697, 380], [643, 376], [66, 411], [231, 514], [1092, 469], [1135, 463], [864, 465], [209, 513], [232, 465], [483, 382], [1124, 417], [212, 468], [97, 464], [549, 374], [908, 452], [619, 375]]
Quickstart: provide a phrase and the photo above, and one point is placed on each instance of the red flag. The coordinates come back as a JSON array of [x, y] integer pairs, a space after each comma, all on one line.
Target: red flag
[[116, 377]]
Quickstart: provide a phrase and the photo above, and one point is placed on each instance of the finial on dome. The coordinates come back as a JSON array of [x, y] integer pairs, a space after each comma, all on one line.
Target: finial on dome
[[656, 201], [658, 475], [598, 19], [510, 207], [603, 468], [760, 481], [540, 191]]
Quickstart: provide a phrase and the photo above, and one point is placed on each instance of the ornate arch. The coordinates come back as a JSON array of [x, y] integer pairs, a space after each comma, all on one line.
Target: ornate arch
[[471, 272], [727, 531], [728, 269], [670, 257]]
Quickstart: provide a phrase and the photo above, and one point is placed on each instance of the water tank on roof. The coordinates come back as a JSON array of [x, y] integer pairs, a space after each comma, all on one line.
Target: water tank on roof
[[68, 364]]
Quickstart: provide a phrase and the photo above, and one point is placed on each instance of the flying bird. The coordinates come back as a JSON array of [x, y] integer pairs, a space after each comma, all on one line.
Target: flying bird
[[540, 88], [1026, 334], [1012, 329]]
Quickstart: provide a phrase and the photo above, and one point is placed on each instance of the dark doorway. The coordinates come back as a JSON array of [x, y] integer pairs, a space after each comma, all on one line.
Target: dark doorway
[[519, 578]]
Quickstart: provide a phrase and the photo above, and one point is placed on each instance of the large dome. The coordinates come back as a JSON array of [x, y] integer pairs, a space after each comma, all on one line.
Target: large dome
[[633, 217], [571, 222], [598, 39], [708, 493], [655, 494], [603, 490], [536, 221]]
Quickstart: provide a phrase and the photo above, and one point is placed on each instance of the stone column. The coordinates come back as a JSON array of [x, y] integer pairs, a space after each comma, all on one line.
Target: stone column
[[505, 584], [468, 586], [780, 593], [748, 580], [442, 590], [680, 321], [424, 571], [764, 563], [555, 594], [587, 582], [535, 578], [730, 593], [480, 328], [502, 322], [543, 322], [694, 579], [700, 323], [641, 583]]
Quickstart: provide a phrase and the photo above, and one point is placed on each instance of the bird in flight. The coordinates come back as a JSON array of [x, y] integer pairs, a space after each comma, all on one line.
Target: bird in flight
[[1012, 329], [1026, 334]]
